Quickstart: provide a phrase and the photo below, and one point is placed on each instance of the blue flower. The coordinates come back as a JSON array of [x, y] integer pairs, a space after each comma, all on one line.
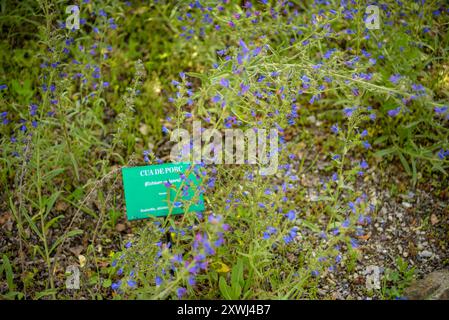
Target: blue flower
[[352, 207], [334, 128], [440, 110], [287, 239], [395, 78], [442, 154], [394, 112], [338, 258], [354, 243], [181, 292], [348, 111], [224, 82], [291, 215], [116, 285], [366, 144], [363, 164], [132, 283]]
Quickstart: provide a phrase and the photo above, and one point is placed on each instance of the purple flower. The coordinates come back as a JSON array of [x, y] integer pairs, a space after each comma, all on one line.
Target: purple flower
[[33, 109], [132, 283], [440, 110], [395, 78], [442, 154], [224, 82], [352, 207], [116, 285], [338, 258], [366, 144], [181, 292], [334, 128], [291, 215], [354, 243], [328, 54], [394, 112], [287, 239], [244, 88], [244, 47], [363, 164], [348, 111]]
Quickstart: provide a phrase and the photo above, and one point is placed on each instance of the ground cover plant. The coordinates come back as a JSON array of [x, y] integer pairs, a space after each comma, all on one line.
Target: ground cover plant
[[356, 208]]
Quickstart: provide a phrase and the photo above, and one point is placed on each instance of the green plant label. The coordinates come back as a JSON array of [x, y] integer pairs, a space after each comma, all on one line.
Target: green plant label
[[161, 190]]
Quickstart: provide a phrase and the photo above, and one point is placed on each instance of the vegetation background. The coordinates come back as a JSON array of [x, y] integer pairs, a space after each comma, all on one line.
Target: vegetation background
[[363, 118]]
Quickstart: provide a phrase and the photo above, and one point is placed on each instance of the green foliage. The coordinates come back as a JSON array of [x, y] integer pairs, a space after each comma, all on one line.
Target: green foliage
[[396, 280], [111, 91]]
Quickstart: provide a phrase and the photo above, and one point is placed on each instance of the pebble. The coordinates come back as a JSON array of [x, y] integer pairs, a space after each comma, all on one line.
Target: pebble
[[425, 254], [406, 204]]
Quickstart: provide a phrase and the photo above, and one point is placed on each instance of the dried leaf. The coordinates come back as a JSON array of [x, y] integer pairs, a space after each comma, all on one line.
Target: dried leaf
[[434, 219]]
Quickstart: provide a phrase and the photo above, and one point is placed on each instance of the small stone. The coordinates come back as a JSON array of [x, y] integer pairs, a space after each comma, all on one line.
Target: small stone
[[61, 206], [372, 278], [434, 286], [120, 227], [425, 254], [311, 119], [406, 204]]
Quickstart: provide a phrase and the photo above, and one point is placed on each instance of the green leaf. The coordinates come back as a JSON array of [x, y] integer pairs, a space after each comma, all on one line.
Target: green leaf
[[69, 234], [414, 173], [224, 289], [33, 226], [237, 274], [384, 152], [53, 173], [237, 291], [310, 225], [8, 272], [51, 202], [404, 163], [45, 293], [50, 223], [106, 283]]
